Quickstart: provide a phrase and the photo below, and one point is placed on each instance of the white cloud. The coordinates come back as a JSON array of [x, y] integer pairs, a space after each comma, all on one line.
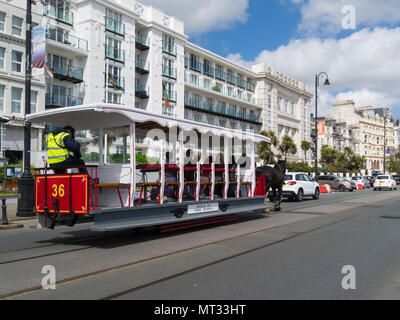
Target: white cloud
[[205, 15], [325, 16], [364, 66]]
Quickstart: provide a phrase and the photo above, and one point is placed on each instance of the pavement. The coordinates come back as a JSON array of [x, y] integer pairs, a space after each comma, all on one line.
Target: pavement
[[14, 222], [298, 253]]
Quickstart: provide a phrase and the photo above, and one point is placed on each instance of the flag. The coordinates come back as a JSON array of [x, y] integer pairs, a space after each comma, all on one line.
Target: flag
[[38, 50], [113, 83], [165, 95], [48, 73]]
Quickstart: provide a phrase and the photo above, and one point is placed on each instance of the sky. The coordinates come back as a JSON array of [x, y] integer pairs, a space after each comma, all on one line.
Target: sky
[[356, 42]]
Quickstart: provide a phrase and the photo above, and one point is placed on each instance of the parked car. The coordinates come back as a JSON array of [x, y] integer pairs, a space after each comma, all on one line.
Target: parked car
[[299, 185], [396, 177], [361, 180], [385, 182], [353, 184], [335, 182]]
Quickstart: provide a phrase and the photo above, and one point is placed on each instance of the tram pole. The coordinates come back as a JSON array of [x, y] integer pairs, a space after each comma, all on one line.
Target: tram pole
[[26, 182]]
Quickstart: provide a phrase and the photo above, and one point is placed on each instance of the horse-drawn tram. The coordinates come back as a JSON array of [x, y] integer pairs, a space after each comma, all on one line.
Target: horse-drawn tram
[[202, 172]]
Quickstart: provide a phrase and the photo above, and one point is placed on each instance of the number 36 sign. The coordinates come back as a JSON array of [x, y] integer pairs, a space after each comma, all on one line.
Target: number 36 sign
[[68, 190]]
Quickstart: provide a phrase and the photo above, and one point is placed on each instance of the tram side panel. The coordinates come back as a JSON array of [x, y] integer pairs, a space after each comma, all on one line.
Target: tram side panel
[[62, 194]]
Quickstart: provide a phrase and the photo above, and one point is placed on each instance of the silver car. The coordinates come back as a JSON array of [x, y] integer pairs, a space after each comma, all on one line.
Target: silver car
[[362, 181]]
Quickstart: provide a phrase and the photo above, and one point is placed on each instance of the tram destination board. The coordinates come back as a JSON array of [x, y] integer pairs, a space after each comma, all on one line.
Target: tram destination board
[[203, 208], [59, 187]]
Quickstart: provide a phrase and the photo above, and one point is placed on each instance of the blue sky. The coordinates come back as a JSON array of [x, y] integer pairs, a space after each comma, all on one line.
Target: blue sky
[[269, 25], [304, 37]]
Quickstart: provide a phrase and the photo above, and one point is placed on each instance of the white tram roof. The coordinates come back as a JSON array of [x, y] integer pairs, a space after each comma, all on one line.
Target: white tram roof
[[95, 116]]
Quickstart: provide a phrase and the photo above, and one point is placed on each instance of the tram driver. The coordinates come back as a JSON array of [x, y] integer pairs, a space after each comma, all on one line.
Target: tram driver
[[63, 151]]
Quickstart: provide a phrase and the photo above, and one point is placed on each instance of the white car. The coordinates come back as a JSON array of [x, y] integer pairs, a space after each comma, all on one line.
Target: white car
[[385, 181], [299, 185]]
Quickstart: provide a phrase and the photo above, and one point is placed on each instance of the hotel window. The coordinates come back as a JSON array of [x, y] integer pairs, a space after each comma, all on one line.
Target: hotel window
[[16, 61], [16, 26], [209, 102], [113, 98], [194, 79], [230, 91], [269, 120], [115, 72], [167, 39], [207, 67], [2, 21], [2, 90], [207, 84], [194, 61], [113, 15], [2, 54], [34, 95], [16, 96], [270, 96], [119, 149]]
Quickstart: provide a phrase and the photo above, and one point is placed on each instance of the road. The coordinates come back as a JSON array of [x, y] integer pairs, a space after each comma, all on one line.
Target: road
[[296, 254]]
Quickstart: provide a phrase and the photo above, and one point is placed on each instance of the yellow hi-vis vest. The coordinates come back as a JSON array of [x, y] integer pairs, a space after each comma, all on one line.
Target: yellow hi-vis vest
[[56, 150]]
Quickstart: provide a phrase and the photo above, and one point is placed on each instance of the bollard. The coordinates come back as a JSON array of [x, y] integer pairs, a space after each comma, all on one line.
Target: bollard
[[4, 220]]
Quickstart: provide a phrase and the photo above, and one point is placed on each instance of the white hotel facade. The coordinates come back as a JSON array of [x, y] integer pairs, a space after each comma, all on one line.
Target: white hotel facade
[[143, 48]]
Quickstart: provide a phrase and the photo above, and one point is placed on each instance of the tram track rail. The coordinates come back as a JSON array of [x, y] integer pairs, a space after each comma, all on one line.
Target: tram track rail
[[178, 274], [132, 264], [104, 236]]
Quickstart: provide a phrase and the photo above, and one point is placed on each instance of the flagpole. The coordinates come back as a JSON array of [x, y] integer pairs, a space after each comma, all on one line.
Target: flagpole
[[107, 75]]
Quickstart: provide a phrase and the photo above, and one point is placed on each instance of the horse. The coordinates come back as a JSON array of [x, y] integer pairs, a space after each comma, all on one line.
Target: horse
[[274, 178]]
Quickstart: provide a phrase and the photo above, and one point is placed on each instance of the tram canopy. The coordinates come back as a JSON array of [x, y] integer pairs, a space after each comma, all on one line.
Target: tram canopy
[[96, 116]]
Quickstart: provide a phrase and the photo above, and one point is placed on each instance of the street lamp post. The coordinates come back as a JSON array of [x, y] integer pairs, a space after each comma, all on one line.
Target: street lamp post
[[317, 82], [26, 182]]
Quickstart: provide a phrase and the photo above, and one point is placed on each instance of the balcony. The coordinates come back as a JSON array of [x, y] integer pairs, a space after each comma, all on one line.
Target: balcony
[[67, 73], [221, 91], [230, 78], [169, 72], [241, 83], [219, 74], [142, 67], [66, 39], [116, 83], [142, 42], [251, 86], [56, 100], [115, 54], [195, 66], [169, 48], [141, 92], [209, 71], [193, 103], [217, 89], [220, 110], [114, 26], [60, 14]]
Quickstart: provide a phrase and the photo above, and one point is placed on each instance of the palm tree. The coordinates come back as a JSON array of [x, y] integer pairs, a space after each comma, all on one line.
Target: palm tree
[[111, 138], [348, 152], [287, 146], [305, 145], [264, 148]]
